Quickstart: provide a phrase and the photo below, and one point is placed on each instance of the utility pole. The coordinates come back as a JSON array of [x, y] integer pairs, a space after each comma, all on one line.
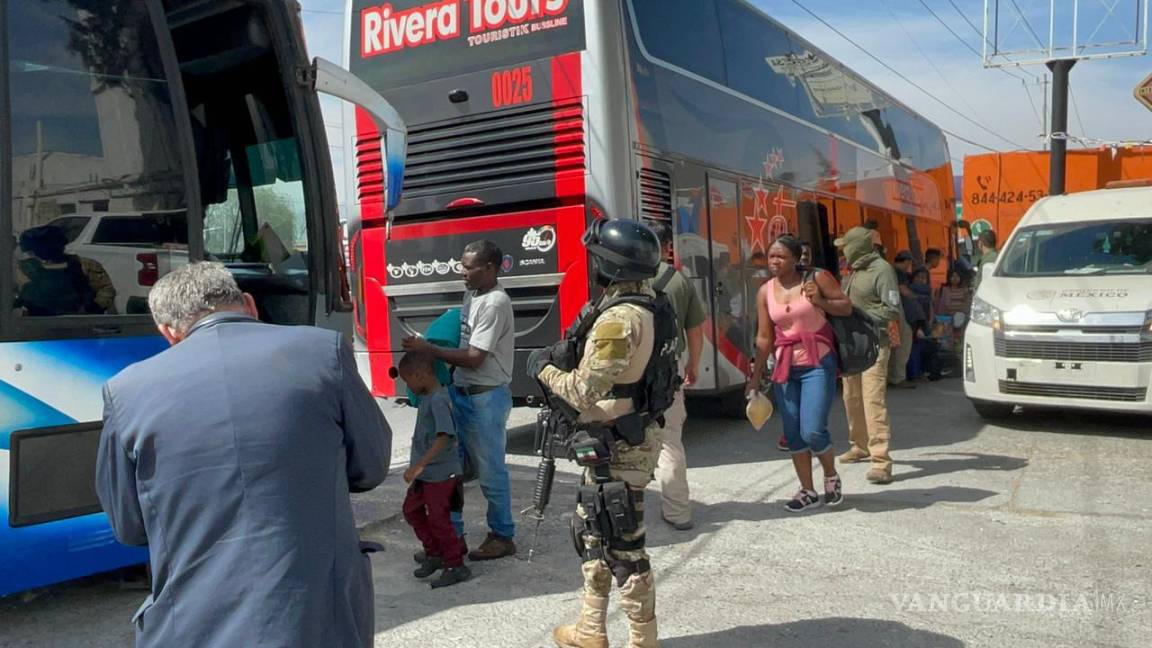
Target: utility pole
[[1058, 157], [1044, 112]]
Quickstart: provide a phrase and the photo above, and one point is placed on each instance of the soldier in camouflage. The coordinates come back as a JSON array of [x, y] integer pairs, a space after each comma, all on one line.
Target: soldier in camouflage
[[51, 282], [616, 352]]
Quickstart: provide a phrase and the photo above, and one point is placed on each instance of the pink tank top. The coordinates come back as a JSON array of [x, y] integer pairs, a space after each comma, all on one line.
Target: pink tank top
[[794, 320]]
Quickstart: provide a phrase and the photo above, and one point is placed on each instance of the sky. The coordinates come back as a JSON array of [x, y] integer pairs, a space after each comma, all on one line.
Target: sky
[[1001, 113], [903, 34]]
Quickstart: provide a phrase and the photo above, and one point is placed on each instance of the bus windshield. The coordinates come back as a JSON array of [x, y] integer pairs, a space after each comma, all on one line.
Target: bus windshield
[[410, 41], [1081, 248]]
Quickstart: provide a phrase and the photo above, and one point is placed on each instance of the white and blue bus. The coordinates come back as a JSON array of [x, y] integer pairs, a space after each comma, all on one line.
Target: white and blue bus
[[135, 136]]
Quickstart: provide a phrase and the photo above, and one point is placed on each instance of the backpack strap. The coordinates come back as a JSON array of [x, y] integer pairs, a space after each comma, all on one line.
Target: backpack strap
[[664, 279]]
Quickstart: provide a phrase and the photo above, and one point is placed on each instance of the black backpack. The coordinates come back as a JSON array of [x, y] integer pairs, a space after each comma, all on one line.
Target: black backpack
[[857, 345]]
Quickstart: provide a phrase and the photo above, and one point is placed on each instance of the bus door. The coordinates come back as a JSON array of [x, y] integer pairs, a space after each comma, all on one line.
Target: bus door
[[265, 177], [734, 282], [814, 227]]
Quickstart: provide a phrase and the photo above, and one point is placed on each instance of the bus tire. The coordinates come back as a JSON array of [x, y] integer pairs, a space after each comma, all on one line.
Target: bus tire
[[990, 411]]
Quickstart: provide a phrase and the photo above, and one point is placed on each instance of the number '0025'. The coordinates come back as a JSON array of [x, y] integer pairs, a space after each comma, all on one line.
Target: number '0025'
[[512, 87]]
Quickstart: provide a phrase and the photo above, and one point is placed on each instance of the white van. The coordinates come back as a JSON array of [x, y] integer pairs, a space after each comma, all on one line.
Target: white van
[[1063, 318]]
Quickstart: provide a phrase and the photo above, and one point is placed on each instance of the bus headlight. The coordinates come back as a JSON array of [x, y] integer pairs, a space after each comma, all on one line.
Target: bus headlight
[[985, 314]]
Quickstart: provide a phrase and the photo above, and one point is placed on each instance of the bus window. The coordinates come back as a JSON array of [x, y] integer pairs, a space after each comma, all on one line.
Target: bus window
[[94, 152], [702, 53]]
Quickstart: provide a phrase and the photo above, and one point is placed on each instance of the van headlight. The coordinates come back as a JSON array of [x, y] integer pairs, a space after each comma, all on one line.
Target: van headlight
[[985, 314]]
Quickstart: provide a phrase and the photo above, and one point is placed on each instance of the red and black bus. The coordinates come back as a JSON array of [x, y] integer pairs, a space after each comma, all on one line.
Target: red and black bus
[[528, 118]]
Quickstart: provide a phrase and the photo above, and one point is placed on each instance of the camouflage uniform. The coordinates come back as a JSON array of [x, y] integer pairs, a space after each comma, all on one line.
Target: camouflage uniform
[[616, 352]]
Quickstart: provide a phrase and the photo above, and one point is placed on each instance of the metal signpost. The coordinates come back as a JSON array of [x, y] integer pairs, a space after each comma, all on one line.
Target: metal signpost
[[1015, 36]]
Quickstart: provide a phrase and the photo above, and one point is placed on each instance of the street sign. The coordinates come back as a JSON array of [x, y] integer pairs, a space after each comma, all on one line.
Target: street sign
[[1143, 92]]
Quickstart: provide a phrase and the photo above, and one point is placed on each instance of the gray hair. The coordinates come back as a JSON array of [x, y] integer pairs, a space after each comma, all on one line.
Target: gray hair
[[184, 296]]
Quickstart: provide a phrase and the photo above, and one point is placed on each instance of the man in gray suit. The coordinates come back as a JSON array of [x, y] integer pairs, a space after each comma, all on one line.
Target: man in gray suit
[[231, 455]]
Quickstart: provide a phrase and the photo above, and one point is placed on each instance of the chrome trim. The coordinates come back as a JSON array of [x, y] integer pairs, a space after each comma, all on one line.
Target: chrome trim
[[1134, 319], [442, 287]]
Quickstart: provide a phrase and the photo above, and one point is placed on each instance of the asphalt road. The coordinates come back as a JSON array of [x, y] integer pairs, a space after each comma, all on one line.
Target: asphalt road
[[1030, 533]]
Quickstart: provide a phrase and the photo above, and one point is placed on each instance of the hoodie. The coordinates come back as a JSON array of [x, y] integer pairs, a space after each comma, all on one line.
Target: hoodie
[[872, 285]]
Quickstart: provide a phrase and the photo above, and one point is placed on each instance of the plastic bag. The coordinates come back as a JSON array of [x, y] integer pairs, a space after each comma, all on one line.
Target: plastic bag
[[758, 410]]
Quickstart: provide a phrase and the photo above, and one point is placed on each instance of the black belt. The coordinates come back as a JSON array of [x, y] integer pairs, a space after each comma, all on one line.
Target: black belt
[[472, 390]]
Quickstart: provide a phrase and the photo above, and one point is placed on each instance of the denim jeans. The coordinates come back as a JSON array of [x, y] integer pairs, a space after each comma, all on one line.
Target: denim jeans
[[482, 427], [804, 402]]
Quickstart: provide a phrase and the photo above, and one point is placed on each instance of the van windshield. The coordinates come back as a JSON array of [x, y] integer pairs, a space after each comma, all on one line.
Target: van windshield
[[1082, 248]]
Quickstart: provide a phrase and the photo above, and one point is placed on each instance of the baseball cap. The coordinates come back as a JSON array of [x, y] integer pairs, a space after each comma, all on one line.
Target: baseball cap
[[903, 255], [854, 234]]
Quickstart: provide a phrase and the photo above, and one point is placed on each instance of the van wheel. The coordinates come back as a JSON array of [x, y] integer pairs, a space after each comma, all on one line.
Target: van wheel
[[990, 411]]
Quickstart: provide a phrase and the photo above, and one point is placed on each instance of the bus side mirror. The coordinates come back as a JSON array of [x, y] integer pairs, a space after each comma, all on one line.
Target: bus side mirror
[[332, 79]]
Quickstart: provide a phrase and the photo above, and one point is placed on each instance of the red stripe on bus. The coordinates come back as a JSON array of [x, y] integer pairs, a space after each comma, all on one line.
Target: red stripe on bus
[[730, 351], [566, 85], [370, 195]]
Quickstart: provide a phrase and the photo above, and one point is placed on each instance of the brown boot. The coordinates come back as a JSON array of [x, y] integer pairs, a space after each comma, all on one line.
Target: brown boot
[[493, 547], [638, 600], [854, 455], [589, 630]]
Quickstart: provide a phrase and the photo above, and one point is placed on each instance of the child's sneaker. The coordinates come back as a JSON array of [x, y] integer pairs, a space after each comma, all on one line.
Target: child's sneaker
[[833, 493], [428, 567], [782, 444], [451, 576], [802, 501]]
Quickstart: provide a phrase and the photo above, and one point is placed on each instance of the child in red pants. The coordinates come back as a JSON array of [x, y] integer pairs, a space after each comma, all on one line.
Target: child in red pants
[[433, 474]]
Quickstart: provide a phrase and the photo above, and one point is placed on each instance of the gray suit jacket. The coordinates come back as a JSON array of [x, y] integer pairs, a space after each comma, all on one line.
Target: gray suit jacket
[[231, 455]]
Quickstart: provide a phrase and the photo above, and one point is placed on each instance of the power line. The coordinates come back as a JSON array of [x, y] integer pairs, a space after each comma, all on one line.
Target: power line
[[1027, 23], [962, 41], [1031, 102], [911, 82], [1076, 110], [911, 39]]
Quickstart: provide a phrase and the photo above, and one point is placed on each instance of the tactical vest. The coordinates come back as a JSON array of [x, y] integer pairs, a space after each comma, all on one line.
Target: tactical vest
[[656, 389]]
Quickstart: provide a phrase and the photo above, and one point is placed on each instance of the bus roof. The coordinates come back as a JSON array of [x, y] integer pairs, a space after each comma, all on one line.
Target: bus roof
[[835, 62]]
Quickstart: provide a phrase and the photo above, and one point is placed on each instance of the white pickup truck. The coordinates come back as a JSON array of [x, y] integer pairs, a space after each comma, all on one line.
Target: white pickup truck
[[135, 249]]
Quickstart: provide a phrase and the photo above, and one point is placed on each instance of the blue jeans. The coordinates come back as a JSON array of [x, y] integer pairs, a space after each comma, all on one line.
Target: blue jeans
[[482, 427], [804, 402]]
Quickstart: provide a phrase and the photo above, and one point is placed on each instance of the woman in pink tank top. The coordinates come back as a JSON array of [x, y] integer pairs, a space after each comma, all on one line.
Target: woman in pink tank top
[[793, 311]]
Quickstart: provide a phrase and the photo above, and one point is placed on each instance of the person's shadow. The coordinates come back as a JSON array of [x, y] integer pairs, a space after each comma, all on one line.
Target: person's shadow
[[958, 462], [841, 632]]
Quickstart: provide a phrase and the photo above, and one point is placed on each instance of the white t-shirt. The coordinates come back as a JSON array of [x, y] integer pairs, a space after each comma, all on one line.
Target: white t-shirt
[[486, 322]]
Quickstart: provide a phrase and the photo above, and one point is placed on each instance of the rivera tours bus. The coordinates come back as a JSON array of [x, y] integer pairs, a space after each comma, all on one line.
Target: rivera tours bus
[[529, 118], [136, 135]]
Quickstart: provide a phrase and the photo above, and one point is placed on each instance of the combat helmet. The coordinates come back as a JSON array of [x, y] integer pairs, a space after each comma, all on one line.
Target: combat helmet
[[624, 250]]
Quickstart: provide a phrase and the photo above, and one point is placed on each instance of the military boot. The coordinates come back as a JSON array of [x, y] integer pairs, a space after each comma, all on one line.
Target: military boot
[[638, 600], [589, 630]]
